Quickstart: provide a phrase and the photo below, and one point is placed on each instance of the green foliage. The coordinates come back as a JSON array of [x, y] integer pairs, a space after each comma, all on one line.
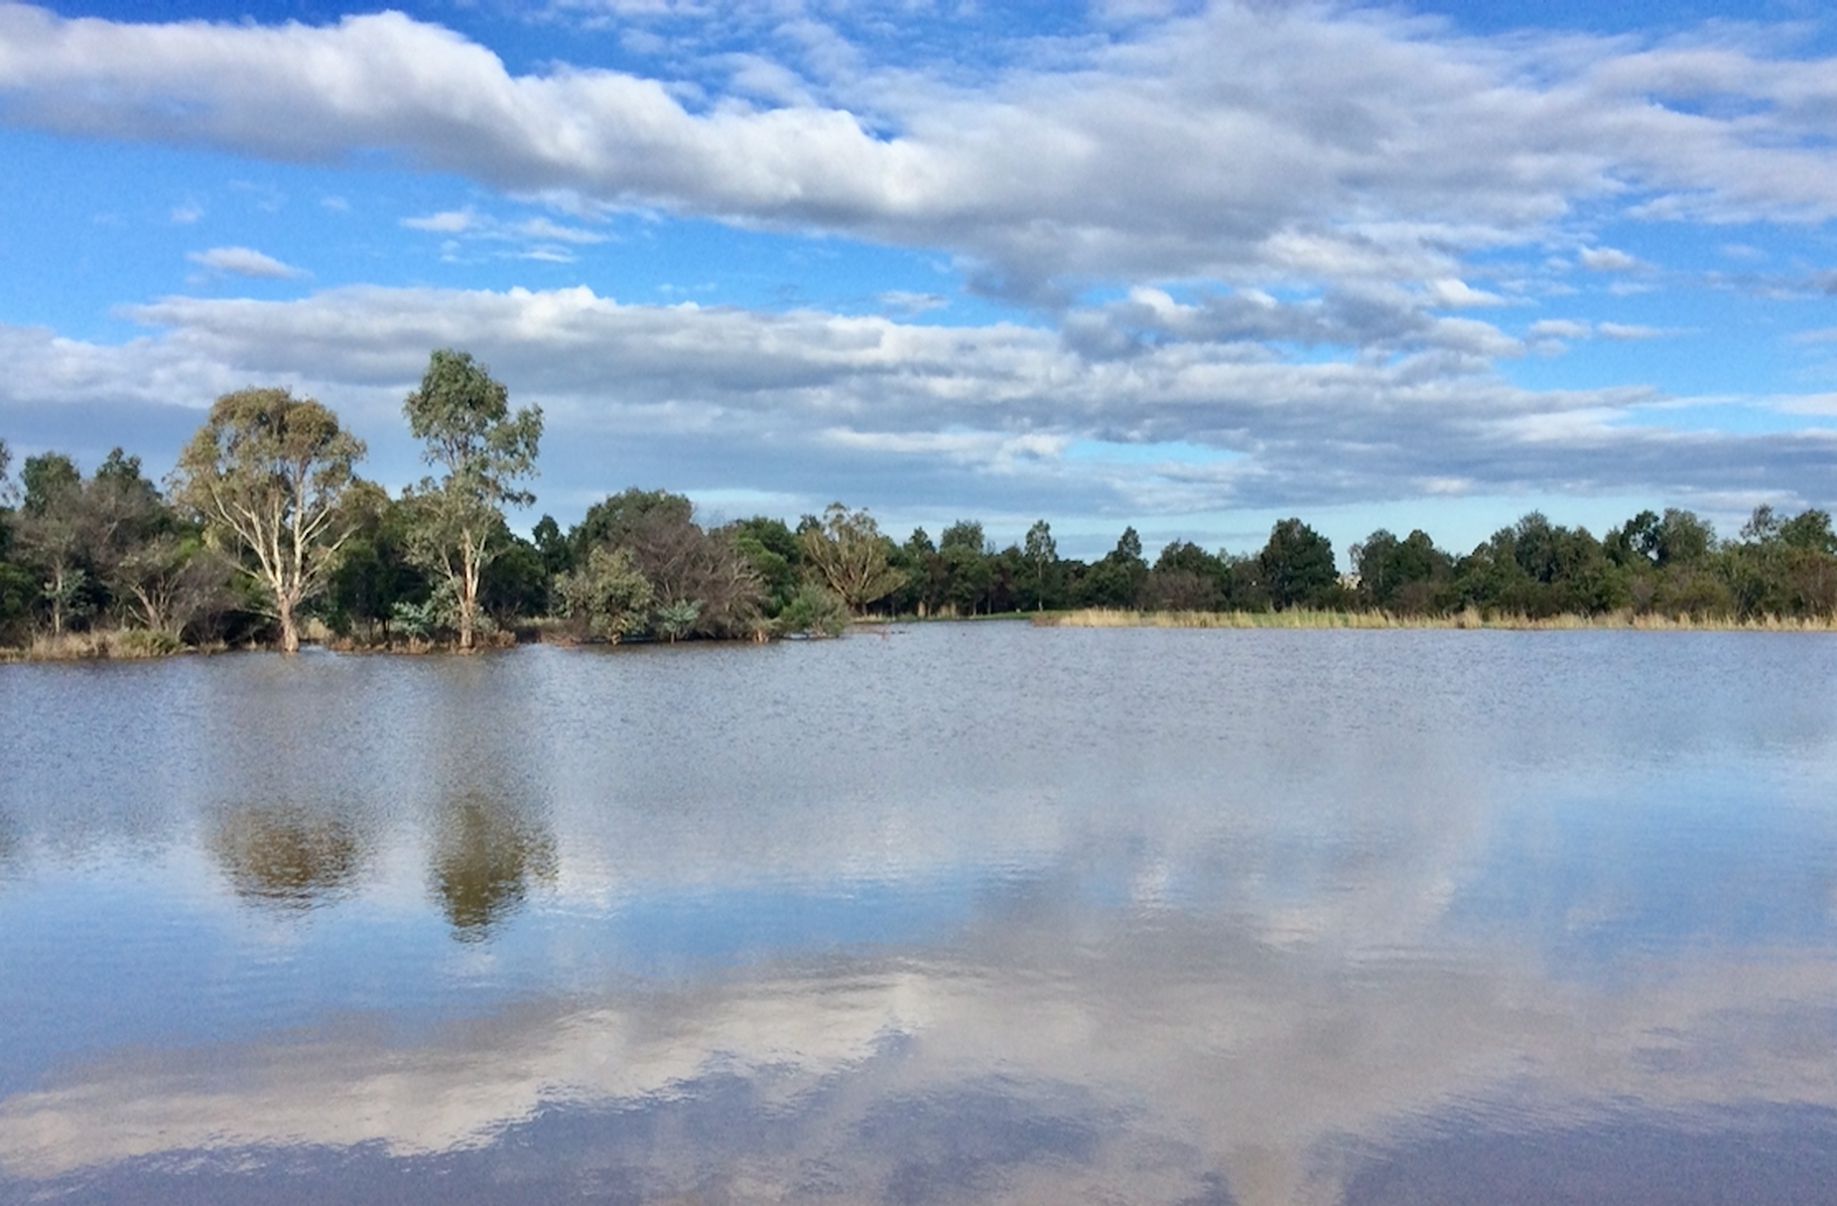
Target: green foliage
[[462, 416], [1297, 564], [846, 553], [375, 572], [965, 535], [556, 553], [813, 611], [1409, 576], [1119, 578], [1185, 578], [612, 521], [677, 620], [267, 473], [607, 597], [770, 547], [516, 581], [416, 621], [270, 514], [49, 480], [1040, 552]]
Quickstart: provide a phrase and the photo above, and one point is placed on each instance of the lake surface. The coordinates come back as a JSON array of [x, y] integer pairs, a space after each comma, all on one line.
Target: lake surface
[[953, 913]]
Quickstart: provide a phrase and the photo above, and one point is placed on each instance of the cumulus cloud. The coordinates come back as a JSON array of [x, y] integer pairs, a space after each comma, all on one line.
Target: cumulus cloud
[[1607, 259], [1242, 143], [245, 261], [447, 221], [907, 417]]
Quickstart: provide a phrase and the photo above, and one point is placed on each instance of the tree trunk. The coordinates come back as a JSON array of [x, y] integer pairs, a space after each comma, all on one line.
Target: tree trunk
[[290, 629], [468, 592], [57, 603]]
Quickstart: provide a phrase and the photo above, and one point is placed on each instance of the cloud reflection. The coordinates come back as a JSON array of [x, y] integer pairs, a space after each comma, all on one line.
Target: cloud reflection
[[1155, 1057]]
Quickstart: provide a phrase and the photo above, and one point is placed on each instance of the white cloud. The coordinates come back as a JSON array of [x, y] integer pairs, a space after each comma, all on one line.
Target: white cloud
[[187, 213], [447, 221], [1626, 332], [1618, 332], [546, 228], [1245, 143], [538, 239], [1561, 328], [245, 261], [1450, 293], [901, 416], [1607, 259], [909, 303]]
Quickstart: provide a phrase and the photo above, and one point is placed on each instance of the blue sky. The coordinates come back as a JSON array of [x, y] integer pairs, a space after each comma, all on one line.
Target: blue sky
[[1183, 265]]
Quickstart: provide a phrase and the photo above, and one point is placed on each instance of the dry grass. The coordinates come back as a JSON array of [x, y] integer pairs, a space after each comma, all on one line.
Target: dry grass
[[102, 645], [1470, 618]]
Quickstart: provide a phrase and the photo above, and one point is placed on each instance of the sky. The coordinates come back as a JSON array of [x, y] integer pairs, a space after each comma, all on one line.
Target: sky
[[1185, 266]]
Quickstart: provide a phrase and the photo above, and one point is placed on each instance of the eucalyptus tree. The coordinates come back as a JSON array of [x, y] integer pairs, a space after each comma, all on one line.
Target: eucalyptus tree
[[52, 534], [462, 415], [846, 553], [268, 472], [1041, 552]]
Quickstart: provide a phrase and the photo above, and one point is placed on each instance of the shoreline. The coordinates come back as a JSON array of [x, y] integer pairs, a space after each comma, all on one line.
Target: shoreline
[[1468, 620], [136, 647]]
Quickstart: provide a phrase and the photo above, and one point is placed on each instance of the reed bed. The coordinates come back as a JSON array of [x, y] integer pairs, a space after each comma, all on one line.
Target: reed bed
[[1469, 618], [105, 645]]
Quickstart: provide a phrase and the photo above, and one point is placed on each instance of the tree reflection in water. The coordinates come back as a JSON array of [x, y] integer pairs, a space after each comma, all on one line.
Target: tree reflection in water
[[287, 856], [9, 846], [485, 853]]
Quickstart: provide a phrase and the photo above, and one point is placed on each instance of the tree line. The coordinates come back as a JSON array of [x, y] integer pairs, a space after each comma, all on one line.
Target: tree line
[[265, 527]]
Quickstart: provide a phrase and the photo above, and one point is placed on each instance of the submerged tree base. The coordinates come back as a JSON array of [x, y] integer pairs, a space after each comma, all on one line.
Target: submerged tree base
[[1470, 618]]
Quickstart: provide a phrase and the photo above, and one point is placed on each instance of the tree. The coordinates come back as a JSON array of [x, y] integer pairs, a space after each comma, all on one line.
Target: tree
[[375, 575], [771, 548], [268, 472], [612, 520], [813, 611], [1118, 578], [1041, 552], [1401, 575], [52, 533], [968, 574], [1298, 565], [463, 417], [1185, 578], [848, 554], [704, 583], [606, 597], [157, 570], [556, 553], [1810, 530]]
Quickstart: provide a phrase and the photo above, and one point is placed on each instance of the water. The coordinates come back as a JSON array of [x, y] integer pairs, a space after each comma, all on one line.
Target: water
[[964, 912]]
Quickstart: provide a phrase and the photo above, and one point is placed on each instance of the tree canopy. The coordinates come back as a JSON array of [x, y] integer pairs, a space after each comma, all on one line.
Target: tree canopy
[[268, 473]]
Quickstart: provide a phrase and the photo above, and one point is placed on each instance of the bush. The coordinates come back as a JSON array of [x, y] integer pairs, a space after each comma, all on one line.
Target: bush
[[813, 611]]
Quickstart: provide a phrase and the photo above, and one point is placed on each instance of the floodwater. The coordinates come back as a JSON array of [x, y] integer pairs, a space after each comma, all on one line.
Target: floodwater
[[951, 913]]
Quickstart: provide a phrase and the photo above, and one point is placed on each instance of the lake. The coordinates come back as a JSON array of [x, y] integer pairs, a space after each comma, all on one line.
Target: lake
[[944, 913]]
